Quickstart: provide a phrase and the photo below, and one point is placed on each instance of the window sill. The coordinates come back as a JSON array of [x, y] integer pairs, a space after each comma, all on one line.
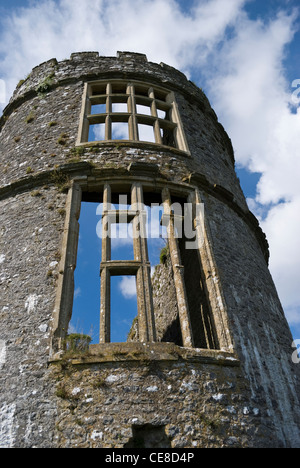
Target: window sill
[[134, 144], [147, 352]]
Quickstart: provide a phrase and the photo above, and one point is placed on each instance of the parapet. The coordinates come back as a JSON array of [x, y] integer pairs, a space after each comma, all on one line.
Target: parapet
[[90, 65]]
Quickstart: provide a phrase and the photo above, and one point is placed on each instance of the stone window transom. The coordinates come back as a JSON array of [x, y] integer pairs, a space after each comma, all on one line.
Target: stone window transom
[[118, 110]]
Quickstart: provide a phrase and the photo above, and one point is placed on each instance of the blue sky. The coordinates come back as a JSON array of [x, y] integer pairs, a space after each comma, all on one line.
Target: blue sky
[[123, 289], [245, 55]]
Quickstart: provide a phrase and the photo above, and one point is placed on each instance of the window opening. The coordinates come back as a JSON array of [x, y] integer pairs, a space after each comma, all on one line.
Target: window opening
[[168, 328], [146, 133], [120, 107], [98, 109], [200, 314], [161, 95], [96, 132], [123, 307], [119, 131], [131, 111], [156, 241], [158, 303], [167, 135], [119, 88], [139, 267], [156, 232], [122, 241], [98, 89], [141, 90], [121, 228], [161, 114], [86, 300], [142, 109]]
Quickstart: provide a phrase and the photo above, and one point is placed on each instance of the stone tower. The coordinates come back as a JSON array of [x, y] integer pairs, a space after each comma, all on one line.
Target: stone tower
[[208, 362]]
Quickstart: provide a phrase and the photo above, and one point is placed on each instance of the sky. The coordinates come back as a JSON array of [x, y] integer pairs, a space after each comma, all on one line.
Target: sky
[[244, 54]]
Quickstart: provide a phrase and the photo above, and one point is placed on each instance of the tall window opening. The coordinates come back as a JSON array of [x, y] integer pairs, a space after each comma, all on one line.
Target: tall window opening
[[156, 292], [199, 308], [86, 301], [123, 303], [133, 111]]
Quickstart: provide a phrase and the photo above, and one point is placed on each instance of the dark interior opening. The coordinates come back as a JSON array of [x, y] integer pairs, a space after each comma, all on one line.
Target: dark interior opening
[[200, 314], [148, 436]]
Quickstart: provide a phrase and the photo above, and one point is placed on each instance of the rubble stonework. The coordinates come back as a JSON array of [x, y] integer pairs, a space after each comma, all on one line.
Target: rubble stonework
[[244, 395]]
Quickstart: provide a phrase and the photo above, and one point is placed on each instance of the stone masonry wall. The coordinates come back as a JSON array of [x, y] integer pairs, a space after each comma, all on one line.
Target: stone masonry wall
[[31, 226], [198, 405]]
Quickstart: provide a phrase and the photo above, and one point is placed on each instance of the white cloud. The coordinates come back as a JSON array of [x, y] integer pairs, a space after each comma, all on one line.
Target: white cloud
[[248, 86], [155, 27], [77, 293], [283, 227], [127, 287], [252, 99], [121, 234]]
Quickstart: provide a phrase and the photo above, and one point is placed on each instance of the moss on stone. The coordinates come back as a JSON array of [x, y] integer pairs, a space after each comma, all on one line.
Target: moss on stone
[[164, 254]]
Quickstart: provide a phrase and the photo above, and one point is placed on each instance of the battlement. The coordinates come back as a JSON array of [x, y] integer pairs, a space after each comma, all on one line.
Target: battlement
[[91, 65]]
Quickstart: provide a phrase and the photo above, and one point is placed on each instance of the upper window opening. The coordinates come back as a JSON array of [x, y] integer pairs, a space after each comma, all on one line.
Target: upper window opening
[[96, 132], [119, 107], [141, 109], [161, 95], [132, 106], [98, 89], [141, 90], [119, 131], [119, 88], [161, 114], [146, 133]]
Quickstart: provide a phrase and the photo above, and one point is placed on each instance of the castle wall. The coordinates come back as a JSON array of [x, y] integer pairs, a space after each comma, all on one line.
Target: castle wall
[[30, 250], [247, 397]]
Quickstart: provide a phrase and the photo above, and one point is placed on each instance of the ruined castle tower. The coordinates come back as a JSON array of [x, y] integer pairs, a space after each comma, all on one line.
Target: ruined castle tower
[[208, 360]]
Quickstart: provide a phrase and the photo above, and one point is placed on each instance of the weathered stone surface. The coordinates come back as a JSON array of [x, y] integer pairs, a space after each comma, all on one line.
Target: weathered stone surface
[[165, 304], [248, 397]]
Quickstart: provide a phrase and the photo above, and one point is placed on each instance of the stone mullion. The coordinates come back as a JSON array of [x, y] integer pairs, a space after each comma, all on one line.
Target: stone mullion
[[105, 306], [65, 295], [85, 125], [154, 114], [144, 288], [108, 132], [105, 273], [178, 271], [133, 124], [211, 277]]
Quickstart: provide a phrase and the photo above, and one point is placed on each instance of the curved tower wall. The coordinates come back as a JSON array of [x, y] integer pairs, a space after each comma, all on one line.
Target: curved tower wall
[[241, 391]]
